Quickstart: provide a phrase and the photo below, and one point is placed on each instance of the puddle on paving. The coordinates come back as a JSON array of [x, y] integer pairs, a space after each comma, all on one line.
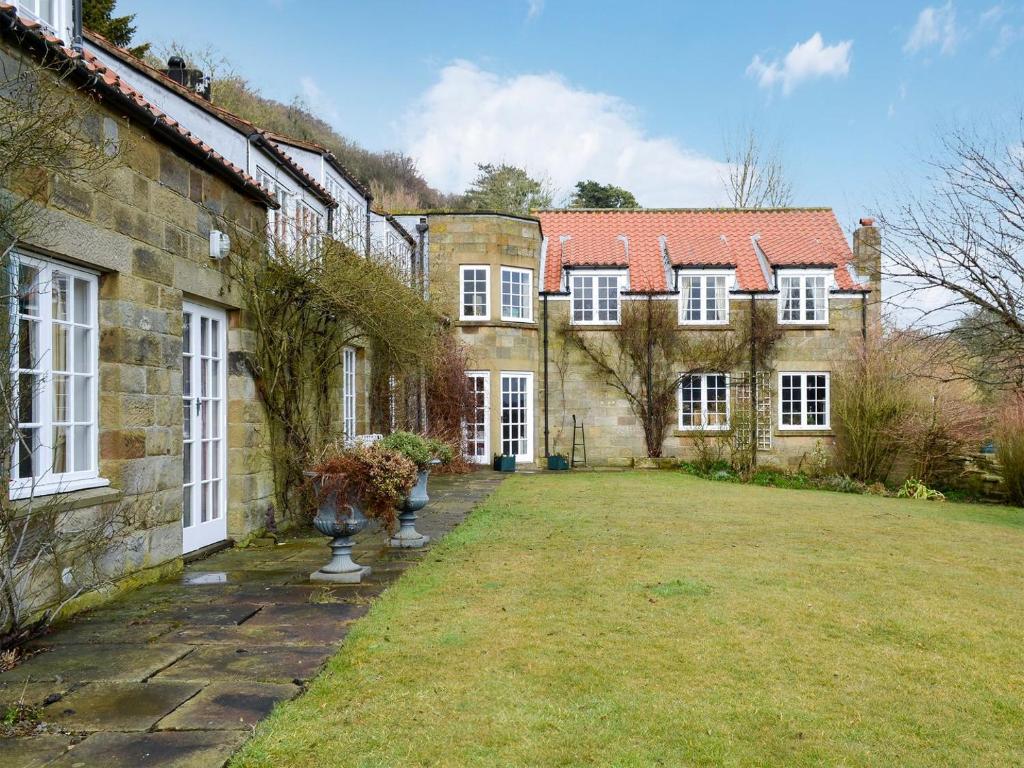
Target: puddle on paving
[[210, 577]]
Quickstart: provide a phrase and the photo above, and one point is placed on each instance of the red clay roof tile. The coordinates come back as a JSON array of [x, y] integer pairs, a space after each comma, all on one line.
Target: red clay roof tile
[[694, 237], [109, 80]]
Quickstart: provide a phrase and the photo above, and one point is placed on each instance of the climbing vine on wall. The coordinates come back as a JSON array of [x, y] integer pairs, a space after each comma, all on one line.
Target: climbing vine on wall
[[300, 312]]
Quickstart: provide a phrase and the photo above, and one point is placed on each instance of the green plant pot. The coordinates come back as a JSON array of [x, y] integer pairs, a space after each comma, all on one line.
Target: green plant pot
[[504, 463], [559, 463]]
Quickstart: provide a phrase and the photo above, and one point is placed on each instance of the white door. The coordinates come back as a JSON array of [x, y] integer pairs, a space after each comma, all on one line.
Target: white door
[[204, 453], [517, 415], [348, 392], [477, 430]]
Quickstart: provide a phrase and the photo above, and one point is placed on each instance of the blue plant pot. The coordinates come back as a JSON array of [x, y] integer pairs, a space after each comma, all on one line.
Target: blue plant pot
[[341, 523], [559, 463], [504, 463], [407, 537]]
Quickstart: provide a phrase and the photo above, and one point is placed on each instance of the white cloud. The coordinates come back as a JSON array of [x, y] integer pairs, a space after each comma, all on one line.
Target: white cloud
[[319, 103], [808, 60], [534, 8], [935, 26], [992, 15], [543, 123]]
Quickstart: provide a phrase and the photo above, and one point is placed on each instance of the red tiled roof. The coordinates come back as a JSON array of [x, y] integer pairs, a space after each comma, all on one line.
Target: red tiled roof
[[264, 138], [31, 35], [649, 242]]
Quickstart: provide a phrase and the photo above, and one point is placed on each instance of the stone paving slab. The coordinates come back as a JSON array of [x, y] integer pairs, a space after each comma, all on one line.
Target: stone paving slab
[[88, 663], [228, 706], [167, 749], [118, 706], [32, 751], [91, 632], [265, 664], [246, 636], [326, 613], [198, 659], [29, 693]]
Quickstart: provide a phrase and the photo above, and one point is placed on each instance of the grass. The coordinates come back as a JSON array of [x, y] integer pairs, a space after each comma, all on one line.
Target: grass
[[645, 619]]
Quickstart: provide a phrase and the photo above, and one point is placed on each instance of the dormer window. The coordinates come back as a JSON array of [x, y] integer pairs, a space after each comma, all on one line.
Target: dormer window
[[803, 296], [595, 297], [704, 297], [48, 12]]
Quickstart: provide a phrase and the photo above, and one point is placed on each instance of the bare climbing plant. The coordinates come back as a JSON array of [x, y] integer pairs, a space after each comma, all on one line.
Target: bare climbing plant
[[303, 306]]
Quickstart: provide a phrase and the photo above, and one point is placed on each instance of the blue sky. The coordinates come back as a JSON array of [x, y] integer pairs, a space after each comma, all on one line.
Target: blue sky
[[640, 94]]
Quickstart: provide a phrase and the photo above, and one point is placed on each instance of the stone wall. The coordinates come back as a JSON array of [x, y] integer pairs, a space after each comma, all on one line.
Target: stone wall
[[614, 434], [495, 345], [143, 224]]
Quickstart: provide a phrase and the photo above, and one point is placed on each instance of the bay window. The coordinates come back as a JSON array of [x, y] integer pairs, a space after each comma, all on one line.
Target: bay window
[[595, 298], [704, 401], [516, 294], [803, 401], [703, 297], [474, 292], [803, 297], [53, 366]]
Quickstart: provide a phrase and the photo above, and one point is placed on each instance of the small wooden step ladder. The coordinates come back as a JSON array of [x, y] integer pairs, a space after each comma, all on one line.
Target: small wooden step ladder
[[579, 440]]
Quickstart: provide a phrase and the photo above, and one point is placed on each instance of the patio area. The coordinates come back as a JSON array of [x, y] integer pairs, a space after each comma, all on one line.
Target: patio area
[[179, 673]]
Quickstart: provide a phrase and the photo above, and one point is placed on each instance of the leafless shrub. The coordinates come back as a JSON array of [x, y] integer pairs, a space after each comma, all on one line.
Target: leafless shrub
[[1010, 447], [755, 176]]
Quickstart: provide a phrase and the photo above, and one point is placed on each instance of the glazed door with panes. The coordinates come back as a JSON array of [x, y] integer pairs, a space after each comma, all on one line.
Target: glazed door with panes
[[204, 411], [517, 416], [477, 430]]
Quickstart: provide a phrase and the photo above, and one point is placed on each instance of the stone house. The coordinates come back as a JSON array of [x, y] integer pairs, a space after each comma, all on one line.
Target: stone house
[[511, 284], [132, 334]]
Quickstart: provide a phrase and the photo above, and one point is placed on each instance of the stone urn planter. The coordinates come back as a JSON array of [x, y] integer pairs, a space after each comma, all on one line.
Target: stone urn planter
[[341, 526], [407, 537]]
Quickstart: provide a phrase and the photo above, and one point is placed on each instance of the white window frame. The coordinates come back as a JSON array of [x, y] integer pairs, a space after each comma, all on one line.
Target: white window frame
[[307, 228], [463, 269], [527, 456], [31, 8], [802, 276], [485, 377], [703, 276], [622, 284], [48, 482], [803, 426], [527, 295], [704, 426], [349, 362], [280, 221]]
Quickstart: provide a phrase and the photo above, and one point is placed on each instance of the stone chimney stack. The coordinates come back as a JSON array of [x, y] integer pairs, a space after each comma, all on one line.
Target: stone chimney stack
[[867, 252]]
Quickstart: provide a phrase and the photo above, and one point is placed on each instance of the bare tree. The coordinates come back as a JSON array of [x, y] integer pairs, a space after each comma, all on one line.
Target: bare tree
[[755, 177], [957, 253], [644, 356]]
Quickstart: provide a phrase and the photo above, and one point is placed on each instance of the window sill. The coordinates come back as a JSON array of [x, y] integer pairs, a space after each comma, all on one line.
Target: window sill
[[70, 500], [595, 326], [801, 432], [518, 321], [706, 326], [805, 326]]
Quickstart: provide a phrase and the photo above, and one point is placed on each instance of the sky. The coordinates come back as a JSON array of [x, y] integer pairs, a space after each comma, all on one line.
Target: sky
[[639, 94]]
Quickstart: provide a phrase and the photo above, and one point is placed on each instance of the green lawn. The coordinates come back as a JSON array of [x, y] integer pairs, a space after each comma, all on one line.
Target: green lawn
[[645, 619]]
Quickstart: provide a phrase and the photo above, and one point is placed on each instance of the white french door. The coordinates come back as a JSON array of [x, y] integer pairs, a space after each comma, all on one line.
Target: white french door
[[517, 415], [204, 451], [477, 431]]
